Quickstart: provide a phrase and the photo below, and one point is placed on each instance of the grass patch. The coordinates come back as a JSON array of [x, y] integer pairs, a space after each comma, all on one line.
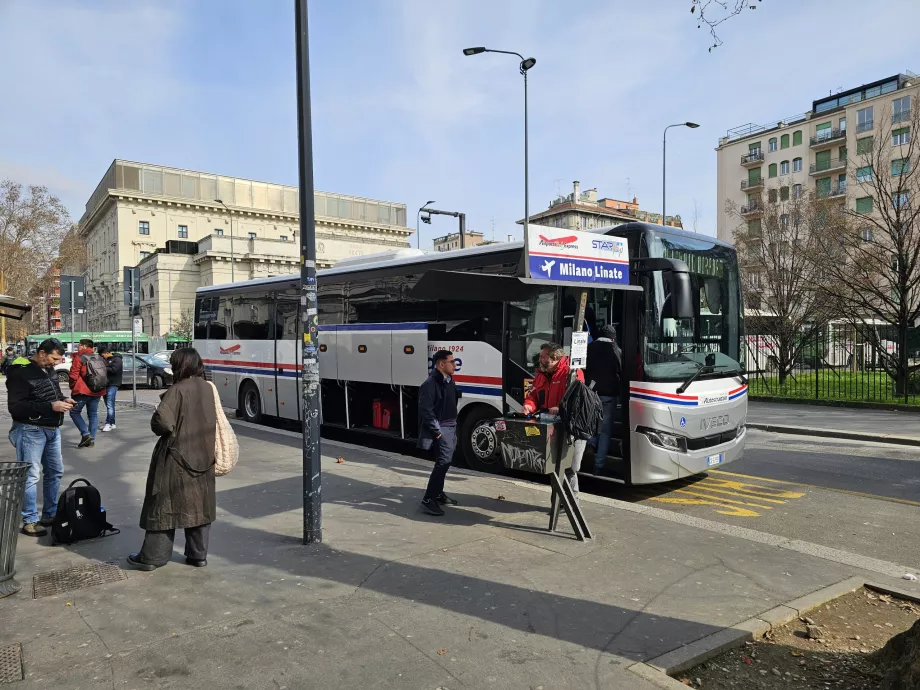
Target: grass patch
[[868, 386]]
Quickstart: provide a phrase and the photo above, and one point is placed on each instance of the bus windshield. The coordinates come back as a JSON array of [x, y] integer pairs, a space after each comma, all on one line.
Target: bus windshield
[[674, 349]]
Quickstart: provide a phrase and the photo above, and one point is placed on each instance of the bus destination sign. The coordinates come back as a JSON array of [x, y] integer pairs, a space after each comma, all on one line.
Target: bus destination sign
[[578, 257]]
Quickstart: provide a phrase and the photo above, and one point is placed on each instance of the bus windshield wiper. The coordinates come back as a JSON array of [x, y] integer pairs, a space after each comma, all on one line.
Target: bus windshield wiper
[[740, 373], [696, 374]]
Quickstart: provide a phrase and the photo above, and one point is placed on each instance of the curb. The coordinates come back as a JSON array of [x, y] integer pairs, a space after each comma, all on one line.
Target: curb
[[661, 669], [835, 433]]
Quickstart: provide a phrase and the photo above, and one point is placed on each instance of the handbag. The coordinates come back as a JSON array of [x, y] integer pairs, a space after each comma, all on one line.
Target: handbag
[[226, 448]]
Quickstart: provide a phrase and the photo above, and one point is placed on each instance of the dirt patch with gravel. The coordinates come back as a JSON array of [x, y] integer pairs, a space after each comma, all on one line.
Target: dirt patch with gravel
[[827, 650]]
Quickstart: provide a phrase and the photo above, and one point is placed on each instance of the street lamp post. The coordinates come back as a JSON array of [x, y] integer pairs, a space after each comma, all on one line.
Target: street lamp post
[[664, 147], [526, 64], [232, 257], [418, 241]]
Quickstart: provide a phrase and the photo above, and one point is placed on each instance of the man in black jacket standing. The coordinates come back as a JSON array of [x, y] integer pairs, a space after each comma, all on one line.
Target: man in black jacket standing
[[37, 406], [114, 367], [437, 427], [604, 367]]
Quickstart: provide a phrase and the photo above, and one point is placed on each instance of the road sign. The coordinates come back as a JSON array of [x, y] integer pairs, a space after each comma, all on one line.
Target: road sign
[[138, 327], [78, 285], [577, 257]]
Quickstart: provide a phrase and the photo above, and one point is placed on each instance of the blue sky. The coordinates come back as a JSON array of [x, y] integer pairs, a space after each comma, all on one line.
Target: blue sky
[[400, 114]]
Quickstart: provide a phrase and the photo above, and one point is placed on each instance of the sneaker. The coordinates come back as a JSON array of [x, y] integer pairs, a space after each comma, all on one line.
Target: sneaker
[[430, 506], [112, 427], [85, 441], [34, 529], [446, 500], [108, 427], [91, 443]]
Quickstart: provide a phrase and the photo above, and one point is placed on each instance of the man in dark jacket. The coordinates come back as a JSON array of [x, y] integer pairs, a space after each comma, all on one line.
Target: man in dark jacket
[[604, 369], [437, 427], [37, 407], [7, 361], [114, 367], [84, 396]]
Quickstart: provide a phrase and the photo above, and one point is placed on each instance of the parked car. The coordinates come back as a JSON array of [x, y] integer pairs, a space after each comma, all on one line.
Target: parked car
[[63, 370], [152, 371]]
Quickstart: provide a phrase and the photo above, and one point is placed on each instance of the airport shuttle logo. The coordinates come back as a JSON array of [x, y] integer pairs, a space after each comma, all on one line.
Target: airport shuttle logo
[[568, 242], [234, 350], [548, 266]]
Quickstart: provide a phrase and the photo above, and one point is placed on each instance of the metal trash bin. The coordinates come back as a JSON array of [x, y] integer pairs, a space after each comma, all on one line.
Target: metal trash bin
[[12, 491]]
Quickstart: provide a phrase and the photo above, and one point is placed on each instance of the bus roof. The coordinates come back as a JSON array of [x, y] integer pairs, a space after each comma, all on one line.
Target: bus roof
[[401, 257]]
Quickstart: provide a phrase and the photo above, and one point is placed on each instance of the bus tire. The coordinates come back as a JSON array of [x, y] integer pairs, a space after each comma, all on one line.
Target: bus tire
[[250, 403], [479, 442]]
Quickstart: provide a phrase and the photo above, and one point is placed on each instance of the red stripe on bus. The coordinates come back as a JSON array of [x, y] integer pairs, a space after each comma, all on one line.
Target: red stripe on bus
[[487, 380], [647, 391]]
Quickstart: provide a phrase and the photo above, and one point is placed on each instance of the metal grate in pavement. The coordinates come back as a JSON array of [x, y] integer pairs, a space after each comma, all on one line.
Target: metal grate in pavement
[[11, 663], [78, 577]]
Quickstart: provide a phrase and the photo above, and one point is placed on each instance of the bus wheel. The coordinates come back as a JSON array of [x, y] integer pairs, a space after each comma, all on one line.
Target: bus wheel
[[251, 403], [479, 442]]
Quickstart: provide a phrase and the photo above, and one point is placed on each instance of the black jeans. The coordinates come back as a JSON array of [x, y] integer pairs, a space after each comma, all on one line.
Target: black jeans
[[443, 449], [158, 546]]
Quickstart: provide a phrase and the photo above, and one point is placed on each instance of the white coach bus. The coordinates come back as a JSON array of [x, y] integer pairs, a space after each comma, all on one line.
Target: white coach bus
[[683, 401]]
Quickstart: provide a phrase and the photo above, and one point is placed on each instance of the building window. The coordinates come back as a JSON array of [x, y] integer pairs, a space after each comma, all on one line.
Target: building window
[[864, 120], [901, 200], [842, 154], [864, 174], [784, 221], [772, 170], [900, 110], [784, 141], [151, 291], [843, 125], [864, 204], [823, 131], [865, 234], [796, 165], [784, 168], [864, 146], [754, 148], [754, 228], [144, 255], [899, 166], [797, 137], [252, 235], [143, 227], [773, 144], [784, 193], [797, 191], [823, 187], [284, 238], [771, 196], [183, 232], [899, 137], [219, 232]]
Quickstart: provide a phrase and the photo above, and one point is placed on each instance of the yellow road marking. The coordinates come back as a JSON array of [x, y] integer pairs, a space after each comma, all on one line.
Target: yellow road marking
[[720, 499], [749, 476], [734, 511]]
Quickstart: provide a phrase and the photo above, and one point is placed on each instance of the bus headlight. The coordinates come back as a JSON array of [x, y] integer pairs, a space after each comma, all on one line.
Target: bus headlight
[[663, 439]]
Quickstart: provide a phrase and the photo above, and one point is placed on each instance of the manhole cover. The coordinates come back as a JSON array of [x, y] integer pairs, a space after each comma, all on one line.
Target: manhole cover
[[11, 663], [60, 581]]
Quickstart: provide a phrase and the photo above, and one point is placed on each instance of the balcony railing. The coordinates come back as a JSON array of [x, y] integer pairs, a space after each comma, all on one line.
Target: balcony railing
[[839, 189], [826, 166], [903, 116], [864, 126], [752, 208], [752, 158], [827, 136], [748, 185]]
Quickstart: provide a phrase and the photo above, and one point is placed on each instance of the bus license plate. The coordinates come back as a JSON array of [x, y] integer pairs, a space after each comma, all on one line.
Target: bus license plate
[[714, 460]]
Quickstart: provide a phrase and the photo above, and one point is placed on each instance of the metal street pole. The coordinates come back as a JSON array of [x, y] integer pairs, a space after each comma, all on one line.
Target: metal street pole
[[462, 230], [310, 381], [664, 147], [169, 278], [73, 349]]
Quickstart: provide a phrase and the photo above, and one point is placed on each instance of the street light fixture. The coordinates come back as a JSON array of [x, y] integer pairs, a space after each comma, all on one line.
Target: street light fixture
[[418, 241], [525, 66], [232, 257], [664, 148]]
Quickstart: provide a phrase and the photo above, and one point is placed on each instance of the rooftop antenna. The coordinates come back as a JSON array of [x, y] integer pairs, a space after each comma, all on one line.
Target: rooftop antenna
[[558, 180], [493, 228]]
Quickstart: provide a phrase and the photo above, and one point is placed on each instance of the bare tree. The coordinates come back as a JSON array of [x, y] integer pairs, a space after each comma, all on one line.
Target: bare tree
[[712, 13], [184, 325], [871, 248], [33, 222], [775, 240], [695, 216]]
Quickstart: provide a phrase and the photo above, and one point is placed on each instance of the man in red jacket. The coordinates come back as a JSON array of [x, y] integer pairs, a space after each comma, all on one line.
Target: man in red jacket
[[84, 397], [549, 386]]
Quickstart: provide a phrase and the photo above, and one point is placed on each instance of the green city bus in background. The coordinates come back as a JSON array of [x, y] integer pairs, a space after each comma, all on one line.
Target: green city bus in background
[[118, 341]]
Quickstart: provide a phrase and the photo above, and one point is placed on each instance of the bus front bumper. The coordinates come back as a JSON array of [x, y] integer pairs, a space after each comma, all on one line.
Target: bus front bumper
[[652, 464]]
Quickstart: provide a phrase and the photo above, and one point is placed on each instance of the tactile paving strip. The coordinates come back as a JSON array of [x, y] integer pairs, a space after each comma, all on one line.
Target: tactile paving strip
[[78, 577]]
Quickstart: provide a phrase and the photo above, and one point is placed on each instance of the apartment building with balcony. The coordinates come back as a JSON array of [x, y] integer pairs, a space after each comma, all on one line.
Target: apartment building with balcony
[[246, 229], [810, 152]]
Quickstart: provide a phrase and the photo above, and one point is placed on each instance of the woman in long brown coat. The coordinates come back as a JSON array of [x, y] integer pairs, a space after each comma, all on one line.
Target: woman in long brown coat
[[180, 482]]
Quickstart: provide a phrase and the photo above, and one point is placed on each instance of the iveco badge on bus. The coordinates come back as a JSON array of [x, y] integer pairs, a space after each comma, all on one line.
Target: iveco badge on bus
[[578, 257]]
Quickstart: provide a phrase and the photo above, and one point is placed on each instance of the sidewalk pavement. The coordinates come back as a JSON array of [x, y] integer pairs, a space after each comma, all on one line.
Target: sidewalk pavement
[[481, 598], [881, 426]]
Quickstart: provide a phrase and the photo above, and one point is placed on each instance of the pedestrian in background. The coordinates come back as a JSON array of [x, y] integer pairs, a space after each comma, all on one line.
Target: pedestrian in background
[[437, 427], [114, 367], [86, 387], [604, 369], [7, 361], [37, 407], [180, 490]]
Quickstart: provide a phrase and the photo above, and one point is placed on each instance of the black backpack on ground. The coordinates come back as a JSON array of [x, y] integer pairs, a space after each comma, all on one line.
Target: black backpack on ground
[[96, 376], [80, 515], [581, 411]]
